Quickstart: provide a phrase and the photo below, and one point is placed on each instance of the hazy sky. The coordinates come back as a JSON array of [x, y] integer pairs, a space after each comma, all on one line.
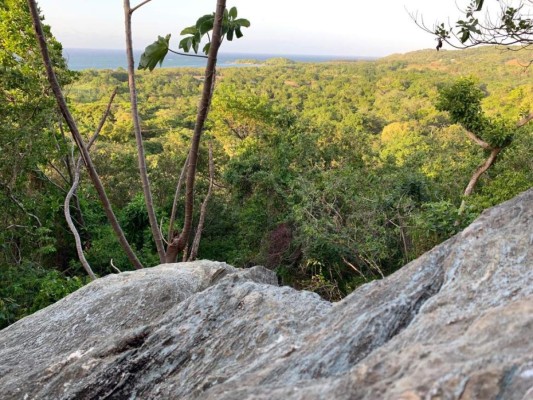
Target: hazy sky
[[328, 27]]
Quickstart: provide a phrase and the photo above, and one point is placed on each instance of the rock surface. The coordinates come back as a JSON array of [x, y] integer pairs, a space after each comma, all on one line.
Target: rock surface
[[457, 323]]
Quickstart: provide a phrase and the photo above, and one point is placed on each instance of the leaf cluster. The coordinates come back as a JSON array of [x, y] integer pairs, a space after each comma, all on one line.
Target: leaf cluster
[[231, 27], [155, 53], [513, 26], [462, 100]]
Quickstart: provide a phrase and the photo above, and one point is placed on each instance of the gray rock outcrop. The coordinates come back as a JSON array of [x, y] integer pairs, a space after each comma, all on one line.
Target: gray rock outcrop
[[457, 323]]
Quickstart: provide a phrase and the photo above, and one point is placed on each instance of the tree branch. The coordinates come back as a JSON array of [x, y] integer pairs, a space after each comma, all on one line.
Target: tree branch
[[19, 204], [187, 54], [481, 170], [74, 188], [476, 139], [56, 89], [203, 209], [131, 11], [524, 120], [141, 158], [102, 120], [77, 239], [176, 198]]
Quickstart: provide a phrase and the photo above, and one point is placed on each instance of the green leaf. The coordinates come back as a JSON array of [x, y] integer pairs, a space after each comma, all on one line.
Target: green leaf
[[203, 19], [197, 37], [206, 48], [224, 30], [229, 35], [206, 26], [238, 32], [233, 12], [242, 22], [185, 44], [191, 30], [479, 5], [154, 53]]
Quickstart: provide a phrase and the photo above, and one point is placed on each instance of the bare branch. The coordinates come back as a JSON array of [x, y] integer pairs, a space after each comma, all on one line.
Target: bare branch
[[79, 247], [481, 170], [511, 26], [525, 120], [141, 158], [203, 209], [115, 267], [349, 264], [131, 11], [372, 264], [74, 188], [58, 172], [102, 120], [47, 178], [187, 54], [476, 139], [176, 198], [9, 194]]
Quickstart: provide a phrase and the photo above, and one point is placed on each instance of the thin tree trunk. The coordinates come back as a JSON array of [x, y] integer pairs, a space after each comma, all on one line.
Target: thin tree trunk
[[198, 236], [494, 151], [477, 174], [54, 84], [141, 158], [75, 183], [71, 167], [185, 253], [481, 170], [176, 198], [525, 120], [70, 223], [178, 243]]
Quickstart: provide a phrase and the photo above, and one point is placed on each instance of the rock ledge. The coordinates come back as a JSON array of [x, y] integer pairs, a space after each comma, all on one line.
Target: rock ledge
[[454, 324]]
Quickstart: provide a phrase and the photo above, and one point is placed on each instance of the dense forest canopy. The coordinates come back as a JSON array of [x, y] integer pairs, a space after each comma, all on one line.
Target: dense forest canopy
[[332, 174]]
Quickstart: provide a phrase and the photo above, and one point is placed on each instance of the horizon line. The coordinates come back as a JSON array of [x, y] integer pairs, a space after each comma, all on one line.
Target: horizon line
[[245, 53]]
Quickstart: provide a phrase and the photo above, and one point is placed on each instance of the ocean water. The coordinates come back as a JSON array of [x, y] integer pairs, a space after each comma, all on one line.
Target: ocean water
[[80, 59]]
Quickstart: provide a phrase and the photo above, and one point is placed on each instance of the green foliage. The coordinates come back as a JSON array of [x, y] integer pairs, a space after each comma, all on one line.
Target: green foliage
[[353, 157], [155, 53], [462, 100], [320, 168], [29, 288], [30, 142], [134, 222], [231, 26], [193, 36], [511, 26]]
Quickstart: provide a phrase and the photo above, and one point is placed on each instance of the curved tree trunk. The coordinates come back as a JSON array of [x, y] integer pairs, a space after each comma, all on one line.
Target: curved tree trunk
[[481, 170], [477, 174], [70, 223]]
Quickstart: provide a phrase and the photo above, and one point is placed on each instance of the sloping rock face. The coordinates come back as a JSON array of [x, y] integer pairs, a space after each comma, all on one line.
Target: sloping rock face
[[455, 324]]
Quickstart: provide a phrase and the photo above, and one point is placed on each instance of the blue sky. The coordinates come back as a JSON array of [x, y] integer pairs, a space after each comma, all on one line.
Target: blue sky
[[332, 27]]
